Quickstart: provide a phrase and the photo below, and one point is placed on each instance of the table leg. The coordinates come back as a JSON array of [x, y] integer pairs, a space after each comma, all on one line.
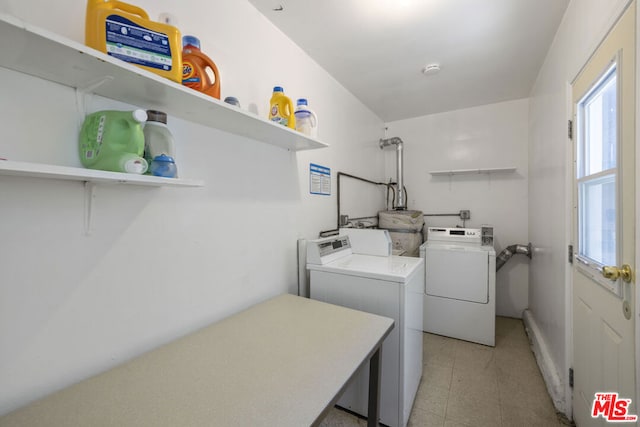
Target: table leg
[[375, 368]]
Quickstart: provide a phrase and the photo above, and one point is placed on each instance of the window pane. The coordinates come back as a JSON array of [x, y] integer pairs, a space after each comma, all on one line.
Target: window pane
[[600, 127], [598, 219]]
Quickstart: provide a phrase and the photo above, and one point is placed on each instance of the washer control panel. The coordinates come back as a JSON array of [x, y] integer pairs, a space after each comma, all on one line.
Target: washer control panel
[[463, 235], [323, 251]]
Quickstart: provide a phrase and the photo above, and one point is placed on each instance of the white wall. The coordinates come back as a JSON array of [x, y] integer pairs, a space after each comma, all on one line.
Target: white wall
[[489, 136], [585, 23], [160, 262]]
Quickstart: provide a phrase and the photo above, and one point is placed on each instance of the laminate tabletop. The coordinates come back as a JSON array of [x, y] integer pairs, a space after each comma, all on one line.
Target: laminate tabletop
[[282, 362]]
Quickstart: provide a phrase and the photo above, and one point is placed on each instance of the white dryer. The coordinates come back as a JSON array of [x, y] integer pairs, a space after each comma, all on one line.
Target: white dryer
[[460, 285], [390, 286]]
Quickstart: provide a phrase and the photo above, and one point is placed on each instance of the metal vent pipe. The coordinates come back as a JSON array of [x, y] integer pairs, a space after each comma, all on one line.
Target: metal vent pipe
[[401, 202], [510, 251]]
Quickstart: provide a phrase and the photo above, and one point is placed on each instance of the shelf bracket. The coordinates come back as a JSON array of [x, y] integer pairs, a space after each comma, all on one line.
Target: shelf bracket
[[89, 195], [82, 92]]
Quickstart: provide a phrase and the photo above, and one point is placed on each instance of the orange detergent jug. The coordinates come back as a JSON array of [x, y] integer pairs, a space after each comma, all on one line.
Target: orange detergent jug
[[125, 31], [199, 72]]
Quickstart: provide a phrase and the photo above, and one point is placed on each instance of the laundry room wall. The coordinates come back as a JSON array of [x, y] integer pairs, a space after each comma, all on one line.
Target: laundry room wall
[[158, 263], [584, 25], [484, 137]]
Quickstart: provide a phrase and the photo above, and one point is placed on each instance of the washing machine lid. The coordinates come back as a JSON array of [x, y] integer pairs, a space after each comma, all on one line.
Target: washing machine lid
[[367, 241], [390, 268]]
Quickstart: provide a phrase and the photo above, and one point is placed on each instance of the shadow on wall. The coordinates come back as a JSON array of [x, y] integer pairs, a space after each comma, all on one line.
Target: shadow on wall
[[236, 168]]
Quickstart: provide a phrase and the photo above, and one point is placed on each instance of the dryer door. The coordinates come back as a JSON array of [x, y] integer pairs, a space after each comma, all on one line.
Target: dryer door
[[457, 272]]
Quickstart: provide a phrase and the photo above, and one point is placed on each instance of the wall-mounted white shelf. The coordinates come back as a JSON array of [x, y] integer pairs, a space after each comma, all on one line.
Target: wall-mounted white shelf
[[472, 171], [38, 170], [37, 52]]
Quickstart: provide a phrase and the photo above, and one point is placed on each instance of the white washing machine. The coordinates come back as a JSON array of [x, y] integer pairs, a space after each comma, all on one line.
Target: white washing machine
[[460, 285], [389, 286]]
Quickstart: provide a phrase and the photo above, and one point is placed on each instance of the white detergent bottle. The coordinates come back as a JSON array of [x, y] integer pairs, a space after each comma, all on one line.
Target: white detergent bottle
[[158, 139], [306, 119]]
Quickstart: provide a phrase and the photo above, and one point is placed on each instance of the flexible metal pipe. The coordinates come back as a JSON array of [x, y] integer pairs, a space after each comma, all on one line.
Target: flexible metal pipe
[[346, 175], [510, 251], [401, 202], [326, 233]]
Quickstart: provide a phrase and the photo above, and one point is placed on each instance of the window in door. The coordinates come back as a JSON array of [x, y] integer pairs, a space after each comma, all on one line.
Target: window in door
[[597, 177]]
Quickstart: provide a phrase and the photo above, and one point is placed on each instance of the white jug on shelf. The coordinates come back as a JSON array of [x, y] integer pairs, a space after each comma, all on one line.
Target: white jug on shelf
[[306, 119]]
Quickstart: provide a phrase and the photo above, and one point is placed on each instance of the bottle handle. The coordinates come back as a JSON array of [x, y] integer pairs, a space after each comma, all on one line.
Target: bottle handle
[[208, 62], [212, 65], [291, 114], [314, 122], [131, 9], [216, 75]]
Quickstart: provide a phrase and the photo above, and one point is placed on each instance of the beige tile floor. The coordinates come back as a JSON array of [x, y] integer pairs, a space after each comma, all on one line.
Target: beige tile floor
[[472, 385]]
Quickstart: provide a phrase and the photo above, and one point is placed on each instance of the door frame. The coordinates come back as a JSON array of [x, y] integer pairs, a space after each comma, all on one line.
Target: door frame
[[568, 272], [569, 176], [637, 183]]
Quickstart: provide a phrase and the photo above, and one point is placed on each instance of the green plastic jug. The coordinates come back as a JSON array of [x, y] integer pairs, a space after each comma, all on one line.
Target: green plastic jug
[[114, 141]]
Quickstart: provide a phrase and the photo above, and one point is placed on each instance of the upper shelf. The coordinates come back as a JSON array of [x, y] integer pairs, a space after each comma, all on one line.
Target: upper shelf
[[472, 171], [43, 54]]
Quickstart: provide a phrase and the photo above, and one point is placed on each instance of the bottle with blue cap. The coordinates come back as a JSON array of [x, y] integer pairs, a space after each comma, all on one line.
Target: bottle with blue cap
[[306, 119], [199, 72], [158, 141], [163, 166], [281, 110]]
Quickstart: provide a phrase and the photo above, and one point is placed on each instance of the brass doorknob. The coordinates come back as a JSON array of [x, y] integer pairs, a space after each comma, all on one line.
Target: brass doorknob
[[614, 273]]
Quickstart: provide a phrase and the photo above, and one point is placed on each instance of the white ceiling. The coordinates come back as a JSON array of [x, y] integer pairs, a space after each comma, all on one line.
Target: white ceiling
[[488, 50]]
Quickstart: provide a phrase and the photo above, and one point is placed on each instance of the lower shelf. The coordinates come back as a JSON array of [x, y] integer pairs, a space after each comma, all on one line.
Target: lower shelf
[[38, 170]]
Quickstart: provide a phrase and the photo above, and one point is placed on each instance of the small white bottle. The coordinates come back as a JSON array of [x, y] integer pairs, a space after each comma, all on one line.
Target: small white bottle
[[158, 139]]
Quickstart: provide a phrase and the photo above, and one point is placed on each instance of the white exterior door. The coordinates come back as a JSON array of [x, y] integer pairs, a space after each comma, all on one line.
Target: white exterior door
[[604, 227]]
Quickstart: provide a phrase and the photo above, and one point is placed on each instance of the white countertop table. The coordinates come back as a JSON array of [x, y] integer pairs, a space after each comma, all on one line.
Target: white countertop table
[[281, 363]]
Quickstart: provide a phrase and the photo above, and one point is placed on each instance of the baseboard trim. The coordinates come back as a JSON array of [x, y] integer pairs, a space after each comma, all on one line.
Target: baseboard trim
[[549, 370]]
